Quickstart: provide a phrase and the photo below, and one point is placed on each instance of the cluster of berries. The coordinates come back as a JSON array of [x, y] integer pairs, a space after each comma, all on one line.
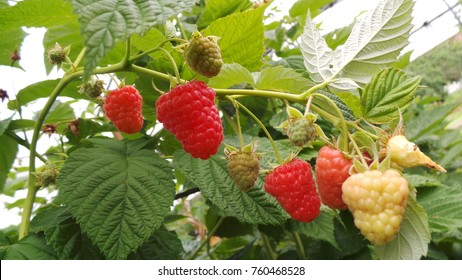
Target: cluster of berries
[[188, 111], [376, 198]]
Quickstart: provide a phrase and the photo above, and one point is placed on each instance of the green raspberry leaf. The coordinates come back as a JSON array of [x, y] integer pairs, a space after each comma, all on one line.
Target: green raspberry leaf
[[231, 75], [443, 207], [162, 245], [282, 79], [212, 178], [389, 92], [215, 9], [118, 192], [104, 23], [42, 90], [427, 123], [31, 247], [63, 233], [411, 242], [348, 114], [374, 43], [321, 228], [8, 151], [241, 37]]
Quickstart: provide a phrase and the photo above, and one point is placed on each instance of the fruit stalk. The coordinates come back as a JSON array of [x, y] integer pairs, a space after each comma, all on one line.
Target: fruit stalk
[[262, 126], [207, 240]]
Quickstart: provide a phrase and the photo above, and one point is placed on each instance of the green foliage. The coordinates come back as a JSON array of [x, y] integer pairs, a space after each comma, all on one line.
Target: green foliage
[[241, 37], [118, 192], [43, 90], [32, 247], [104, 23], [211, 176], [412, 240], [8, 151], [215, 9], [141, 197], [31, 13], [443, 207], [389, 93], [63, 233], [363, 53], [322, 228], [439, 67]]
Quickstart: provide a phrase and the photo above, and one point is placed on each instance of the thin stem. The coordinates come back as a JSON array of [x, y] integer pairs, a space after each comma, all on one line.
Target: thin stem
[[149, 72], [31, 187], [299, 245], [134, 58], [238, 121], [358, 151], [267, 244], [230, 121], [260, 93], [308, 105], [176, 39], [262, 126], [172, 61], [186, 193], [23, 143], [182, 30], [207, 240], [342, 119], [307, 93], [126, 58], [241, 137], [80, 57], [357, 127]]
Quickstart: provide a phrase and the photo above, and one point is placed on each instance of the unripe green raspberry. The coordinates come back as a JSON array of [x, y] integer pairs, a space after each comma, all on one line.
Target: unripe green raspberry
[[57, 55], [300, 131], [92, 88], [243, 169], [377, 200], [46, 176], [203, 55]]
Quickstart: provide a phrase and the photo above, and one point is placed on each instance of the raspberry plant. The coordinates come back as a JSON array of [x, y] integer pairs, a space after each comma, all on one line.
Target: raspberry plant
[[155, 182]]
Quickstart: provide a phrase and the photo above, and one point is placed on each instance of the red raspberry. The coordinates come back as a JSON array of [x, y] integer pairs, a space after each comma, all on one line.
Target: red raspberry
[[293, 186], [189, 112], [332, 169], [123, 106]]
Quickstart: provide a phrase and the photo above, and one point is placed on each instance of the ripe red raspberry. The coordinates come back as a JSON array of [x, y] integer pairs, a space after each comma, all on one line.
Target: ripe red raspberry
[[377, 200], [189, 112], [123, 106], [332, 169], [293, 186]]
